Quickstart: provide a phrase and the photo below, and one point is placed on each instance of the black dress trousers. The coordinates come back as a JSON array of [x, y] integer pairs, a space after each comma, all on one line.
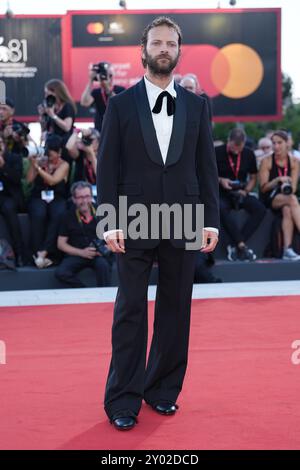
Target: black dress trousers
[[129, 379]]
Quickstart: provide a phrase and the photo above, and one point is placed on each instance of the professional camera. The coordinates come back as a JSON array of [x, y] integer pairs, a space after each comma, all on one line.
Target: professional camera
[[87, 140], [237, 184], [101, 247], [20, 129], [49, 101], [236, 198], [33, 150], [102, 70], [286, 188], [283, 188]]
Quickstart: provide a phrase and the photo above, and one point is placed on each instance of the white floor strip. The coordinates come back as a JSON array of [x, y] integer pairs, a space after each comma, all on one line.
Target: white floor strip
[[108, 294]]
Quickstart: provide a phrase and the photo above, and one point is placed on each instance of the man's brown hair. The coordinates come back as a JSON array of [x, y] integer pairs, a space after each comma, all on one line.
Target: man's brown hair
[[161, 21]]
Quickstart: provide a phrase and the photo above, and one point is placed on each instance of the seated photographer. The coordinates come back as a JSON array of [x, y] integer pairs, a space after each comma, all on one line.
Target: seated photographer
[[278, 177], [48, 200], [78, 241], [57, 112], [102, 74], [237, 177], [83, 147], [14, 133], [11, 197]]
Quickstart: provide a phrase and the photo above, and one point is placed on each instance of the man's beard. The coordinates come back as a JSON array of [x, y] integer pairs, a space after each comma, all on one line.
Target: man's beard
[[160, 69]]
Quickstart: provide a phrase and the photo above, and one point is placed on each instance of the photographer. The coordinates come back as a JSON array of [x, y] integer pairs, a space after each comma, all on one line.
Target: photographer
[[48, 199], [278, 176], [83, 147], [101, 73], [14, 133], [11, 197], [57, 112], [78, 240], [237, 177]]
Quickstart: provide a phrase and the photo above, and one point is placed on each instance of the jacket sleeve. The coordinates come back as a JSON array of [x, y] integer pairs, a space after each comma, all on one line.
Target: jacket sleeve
[[207, 171], [108, 164]]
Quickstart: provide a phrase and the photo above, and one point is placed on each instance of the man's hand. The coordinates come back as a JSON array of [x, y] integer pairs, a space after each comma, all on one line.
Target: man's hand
[[115, 242], [225, 183], [92, 73], [89, 252], [209, 246], [8, 131]]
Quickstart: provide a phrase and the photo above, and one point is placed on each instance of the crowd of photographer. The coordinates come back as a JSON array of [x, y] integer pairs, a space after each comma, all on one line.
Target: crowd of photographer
[[58, 177]]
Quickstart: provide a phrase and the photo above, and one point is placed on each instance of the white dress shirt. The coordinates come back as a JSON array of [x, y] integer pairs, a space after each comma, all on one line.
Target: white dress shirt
[[163, 125]]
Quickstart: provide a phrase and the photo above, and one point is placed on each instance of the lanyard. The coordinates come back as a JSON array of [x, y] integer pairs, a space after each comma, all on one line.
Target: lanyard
[[104, 95], [282, 172], [235, 168]]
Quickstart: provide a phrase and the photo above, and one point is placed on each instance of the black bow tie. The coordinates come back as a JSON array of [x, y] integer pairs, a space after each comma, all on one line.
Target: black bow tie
[[170, 103]]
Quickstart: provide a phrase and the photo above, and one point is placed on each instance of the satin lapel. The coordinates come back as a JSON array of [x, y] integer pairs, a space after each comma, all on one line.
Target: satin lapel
[[146, 121], [178, 131]]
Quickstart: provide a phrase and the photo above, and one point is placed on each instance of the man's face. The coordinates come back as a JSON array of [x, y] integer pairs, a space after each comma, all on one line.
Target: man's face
[[110, 76], [235, 148], [82, 199], [162, 50], [5, 112], [189, 84]]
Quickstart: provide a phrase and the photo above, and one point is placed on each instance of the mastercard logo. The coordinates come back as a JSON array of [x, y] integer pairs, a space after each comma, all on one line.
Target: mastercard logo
[[234, 71], [95, 28]]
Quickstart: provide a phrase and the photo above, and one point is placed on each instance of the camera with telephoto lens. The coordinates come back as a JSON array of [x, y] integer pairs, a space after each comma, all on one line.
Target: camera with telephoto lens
[[49, 101], [101, 247], [102, 70]]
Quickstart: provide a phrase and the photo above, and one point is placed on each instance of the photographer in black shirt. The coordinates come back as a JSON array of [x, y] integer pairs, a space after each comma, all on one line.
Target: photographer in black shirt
[[14, 133], [102, 74], [237, 177], [48, 199], [83, 147], [57, 112], [78, 241], [11, 197]]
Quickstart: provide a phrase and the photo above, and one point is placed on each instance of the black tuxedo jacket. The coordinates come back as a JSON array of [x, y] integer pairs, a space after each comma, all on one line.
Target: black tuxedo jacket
[[130, 161]]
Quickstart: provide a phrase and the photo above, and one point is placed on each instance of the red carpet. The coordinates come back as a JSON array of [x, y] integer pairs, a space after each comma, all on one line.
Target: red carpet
[[241, 390]]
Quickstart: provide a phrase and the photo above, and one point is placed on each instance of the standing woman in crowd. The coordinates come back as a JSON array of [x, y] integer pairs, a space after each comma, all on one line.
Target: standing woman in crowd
[[57, 113], [278, 177], [48, 200]]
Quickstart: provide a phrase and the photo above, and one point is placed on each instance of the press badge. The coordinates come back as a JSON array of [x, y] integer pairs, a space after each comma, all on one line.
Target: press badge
[[1, 186], [47, 195]]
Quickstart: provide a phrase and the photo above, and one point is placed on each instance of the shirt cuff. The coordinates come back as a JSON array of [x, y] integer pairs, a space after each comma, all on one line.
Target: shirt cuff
[[108, 232], [212, 229]]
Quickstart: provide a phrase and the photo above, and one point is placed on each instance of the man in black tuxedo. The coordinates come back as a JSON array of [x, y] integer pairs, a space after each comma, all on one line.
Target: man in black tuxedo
[[156, 147]]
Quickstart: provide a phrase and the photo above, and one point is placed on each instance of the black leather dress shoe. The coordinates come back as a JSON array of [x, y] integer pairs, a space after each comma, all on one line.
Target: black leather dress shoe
[[165, 408], [124, 424]]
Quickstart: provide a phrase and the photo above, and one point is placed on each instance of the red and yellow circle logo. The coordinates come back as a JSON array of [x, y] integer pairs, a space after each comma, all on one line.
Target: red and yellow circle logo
[[95, 28], [235, 70]]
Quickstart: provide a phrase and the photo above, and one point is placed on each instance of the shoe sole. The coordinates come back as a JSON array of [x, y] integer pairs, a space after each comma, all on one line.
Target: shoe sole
[[127, 428]]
